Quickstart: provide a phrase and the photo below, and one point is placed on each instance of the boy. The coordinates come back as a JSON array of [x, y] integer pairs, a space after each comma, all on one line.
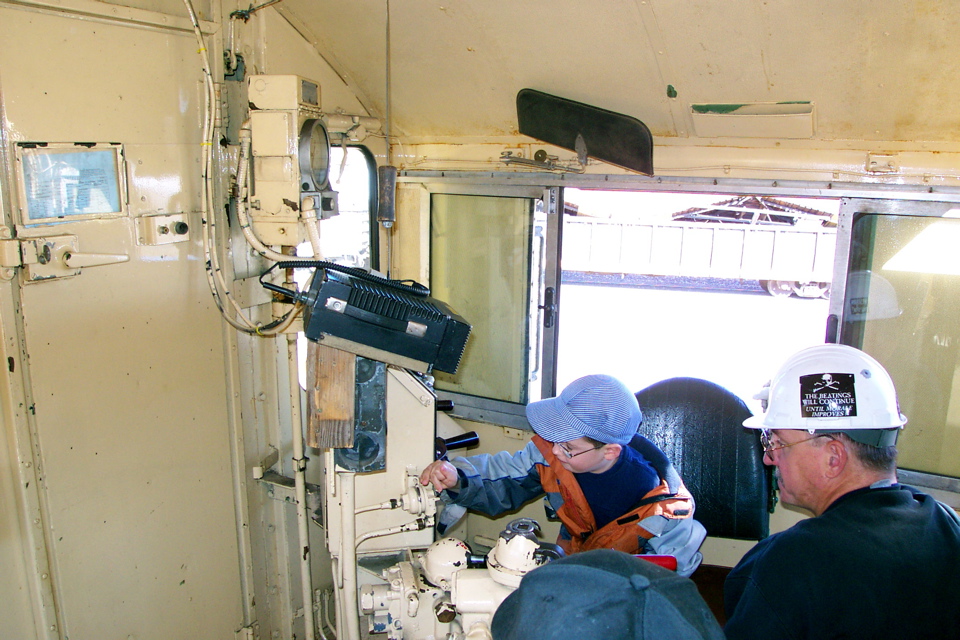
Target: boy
[[610, 487]]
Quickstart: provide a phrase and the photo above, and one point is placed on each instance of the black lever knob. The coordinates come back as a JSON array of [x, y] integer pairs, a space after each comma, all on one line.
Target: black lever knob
[[462, 441]]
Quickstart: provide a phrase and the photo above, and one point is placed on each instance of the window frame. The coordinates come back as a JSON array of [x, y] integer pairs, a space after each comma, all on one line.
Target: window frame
[[896, 199], [501, 412], [373, 204], [851, 209]]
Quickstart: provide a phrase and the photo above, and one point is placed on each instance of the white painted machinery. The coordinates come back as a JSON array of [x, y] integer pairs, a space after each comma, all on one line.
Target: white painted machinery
[[447, 592], [390, 575]]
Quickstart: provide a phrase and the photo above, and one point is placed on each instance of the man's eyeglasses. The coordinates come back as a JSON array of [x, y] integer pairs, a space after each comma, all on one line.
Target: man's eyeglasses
[[769, 446], [569, 454]]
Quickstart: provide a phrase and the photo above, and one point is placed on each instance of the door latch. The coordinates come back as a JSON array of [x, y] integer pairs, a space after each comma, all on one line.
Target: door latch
[[549, 307], [58, 257]]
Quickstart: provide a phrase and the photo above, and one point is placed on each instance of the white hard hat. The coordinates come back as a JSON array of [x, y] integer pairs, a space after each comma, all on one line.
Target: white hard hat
[[833, 388], [869, 296]]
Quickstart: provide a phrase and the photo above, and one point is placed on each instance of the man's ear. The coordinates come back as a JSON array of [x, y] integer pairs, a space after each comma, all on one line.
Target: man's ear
[[837, 457], [611, 451]]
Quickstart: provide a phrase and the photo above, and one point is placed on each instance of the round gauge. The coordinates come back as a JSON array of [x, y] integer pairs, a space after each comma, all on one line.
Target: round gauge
[[314, 155]]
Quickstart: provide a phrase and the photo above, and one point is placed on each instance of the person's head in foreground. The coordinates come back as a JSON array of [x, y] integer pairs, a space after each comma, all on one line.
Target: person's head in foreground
[[604, 595]]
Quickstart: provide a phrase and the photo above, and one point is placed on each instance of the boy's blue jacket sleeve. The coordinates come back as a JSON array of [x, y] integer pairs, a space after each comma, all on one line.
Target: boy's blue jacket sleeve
[[497, 483]]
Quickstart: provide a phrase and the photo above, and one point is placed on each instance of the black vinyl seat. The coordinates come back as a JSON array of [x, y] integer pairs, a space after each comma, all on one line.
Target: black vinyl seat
[[698, 425]]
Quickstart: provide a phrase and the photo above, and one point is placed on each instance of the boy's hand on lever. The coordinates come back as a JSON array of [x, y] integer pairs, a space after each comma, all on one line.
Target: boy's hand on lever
[[441, 474]]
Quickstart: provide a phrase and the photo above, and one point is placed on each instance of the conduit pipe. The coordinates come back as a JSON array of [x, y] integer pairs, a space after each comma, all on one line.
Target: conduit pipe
[[389, 504], [208, 214], [300, 488], [417, 525], [348, 622], [242, 194], [309, 213]]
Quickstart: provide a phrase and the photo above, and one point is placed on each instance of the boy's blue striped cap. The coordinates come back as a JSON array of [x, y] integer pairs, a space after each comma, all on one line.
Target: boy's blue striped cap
[[596, 406]]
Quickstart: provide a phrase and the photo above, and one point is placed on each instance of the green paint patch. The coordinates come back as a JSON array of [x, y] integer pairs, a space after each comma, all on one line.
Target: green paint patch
[[787, 107]]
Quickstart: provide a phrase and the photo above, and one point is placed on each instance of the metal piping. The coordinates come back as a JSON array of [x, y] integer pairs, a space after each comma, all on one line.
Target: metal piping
[[417, 525], [310, 215], [300, 487], [348, 622], [242, 191]]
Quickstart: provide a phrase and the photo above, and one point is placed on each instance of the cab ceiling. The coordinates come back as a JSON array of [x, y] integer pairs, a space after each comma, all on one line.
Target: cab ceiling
[[872, 71]]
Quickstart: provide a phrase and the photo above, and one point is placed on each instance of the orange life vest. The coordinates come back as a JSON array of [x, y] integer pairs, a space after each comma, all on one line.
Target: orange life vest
[[623, 533]]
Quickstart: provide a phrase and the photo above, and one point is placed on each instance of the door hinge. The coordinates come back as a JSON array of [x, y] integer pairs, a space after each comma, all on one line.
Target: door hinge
[[9, 258]]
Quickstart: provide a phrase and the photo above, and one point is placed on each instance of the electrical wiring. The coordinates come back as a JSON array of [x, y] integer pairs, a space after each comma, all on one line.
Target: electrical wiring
[[407, 286], [415, 525], [308, 213], [330, 624], [243, 191], [240, 14], [389, 504], [207, 215], [219, 288], [244, 14]]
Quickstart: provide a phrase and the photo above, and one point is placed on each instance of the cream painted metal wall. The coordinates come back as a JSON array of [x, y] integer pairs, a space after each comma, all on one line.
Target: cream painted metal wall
[[20, 593], [130, 417], [126, 518]]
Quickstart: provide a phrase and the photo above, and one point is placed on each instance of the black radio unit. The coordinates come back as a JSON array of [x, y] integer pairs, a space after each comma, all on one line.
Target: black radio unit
[[379, 319]]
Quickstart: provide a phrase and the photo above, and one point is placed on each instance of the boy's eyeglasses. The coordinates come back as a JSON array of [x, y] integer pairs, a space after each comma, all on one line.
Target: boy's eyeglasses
[[569, 454]]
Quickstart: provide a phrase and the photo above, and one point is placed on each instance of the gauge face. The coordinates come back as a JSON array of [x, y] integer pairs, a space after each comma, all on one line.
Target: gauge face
[[314, 155]]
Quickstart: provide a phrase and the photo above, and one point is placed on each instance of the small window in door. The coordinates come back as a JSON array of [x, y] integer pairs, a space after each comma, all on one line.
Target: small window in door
[[69, 181], [344, 238]]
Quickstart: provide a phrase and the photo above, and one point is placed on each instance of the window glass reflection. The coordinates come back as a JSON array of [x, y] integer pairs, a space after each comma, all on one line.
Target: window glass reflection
[[903, 307]]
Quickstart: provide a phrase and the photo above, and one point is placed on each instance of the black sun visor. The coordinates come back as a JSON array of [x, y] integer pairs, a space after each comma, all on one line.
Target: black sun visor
[[589, 131]]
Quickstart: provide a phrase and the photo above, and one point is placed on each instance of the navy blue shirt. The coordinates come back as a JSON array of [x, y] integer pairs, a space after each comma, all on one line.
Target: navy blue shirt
[[620, 488], [877, 564]]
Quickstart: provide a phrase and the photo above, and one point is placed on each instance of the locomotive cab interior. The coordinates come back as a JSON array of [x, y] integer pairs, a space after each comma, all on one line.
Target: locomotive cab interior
[[257, 261]]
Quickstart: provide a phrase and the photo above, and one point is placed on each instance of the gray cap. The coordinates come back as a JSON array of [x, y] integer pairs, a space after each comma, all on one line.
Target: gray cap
[[604, 594], [596, 406]]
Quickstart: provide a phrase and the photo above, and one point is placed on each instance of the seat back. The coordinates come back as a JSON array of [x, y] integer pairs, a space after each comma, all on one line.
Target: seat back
[[698, 425]]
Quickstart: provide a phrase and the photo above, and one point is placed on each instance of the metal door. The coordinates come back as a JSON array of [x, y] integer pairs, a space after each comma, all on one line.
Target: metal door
[[118, 405]]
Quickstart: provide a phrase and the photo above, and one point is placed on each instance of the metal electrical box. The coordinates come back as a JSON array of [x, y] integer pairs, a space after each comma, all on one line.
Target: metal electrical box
[[291, 154], [408, 406], [282, 92]]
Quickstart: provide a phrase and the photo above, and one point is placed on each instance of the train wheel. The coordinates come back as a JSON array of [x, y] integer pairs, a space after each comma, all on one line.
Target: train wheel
[[779, 288]]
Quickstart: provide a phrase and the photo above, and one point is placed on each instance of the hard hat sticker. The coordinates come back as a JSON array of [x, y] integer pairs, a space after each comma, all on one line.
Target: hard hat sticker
[[858, 307], [827, 395]]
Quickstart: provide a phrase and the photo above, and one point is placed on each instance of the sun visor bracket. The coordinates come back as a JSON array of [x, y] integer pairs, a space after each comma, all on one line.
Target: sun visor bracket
[[587, 130]]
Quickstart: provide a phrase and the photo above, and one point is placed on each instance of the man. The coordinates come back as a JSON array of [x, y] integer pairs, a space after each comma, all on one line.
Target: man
[[610, 487], [879, 559]]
